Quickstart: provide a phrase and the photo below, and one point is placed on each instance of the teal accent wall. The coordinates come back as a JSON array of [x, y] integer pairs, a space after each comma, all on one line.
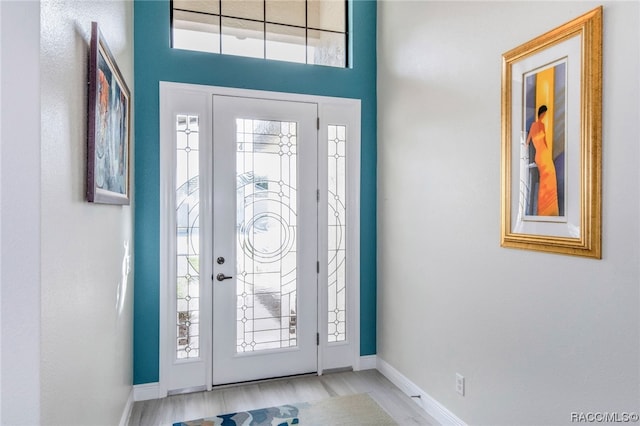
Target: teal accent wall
[[155, 61]]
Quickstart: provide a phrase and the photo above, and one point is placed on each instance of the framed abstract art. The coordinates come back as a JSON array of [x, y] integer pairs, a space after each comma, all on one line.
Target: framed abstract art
[[109, 118]]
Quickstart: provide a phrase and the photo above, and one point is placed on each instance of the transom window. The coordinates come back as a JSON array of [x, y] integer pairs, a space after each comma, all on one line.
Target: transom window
[[303, 31]]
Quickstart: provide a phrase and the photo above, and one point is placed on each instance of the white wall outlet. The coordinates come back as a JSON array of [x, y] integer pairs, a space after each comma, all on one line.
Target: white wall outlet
[[460, 384]]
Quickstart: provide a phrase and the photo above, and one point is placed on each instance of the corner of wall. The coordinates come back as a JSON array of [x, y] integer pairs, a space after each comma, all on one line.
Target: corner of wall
[[20, 204]]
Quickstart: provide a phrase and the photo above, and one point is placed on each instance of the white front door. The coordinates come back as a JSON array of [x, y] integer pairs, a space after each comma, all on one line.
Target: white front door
[[265, 230], [255, 188]]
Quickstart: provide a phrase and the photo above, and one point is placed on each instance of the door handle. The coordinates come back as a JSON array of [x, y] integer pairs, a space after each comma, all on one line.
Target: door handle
[[222, 277]]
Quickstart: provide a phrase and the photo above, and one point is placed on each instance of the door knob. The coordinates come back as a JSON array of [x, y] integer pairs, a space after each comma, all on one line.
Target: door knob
[[222, 277]]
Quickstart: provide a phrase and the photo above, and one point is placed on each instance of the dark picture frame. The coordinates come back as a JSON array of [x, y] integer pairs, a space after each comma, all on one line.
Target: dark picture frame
[[109, 118], [551, 174]]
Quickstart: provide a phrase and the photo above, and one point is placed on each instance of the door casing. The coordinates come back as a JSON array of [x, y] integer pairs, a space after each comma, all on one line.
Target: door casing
[[178, 98]]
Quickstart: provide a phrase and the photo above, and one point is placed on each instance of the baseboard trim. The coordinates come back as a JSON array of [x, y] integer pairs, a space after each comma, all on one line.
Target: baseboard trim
[[367, 362], [426, 402], [146, 391], [126, 413]]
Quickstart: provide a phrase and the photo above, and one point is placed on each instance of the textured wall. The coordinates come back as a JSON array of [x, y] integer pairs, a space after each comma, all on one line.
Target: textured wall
[[536, 335], [86, 290]]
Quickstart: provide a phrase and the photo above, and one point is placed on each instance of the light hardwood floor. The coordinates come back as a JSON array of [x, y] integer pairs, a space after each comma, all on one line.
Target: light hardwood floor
[[270, 393]]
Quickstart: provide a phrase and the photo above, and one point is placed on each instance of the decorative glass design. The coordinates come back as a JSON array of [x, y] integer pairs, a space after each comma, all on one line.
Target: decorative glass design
[[303, 31], [266, 234], [187, 238], [336, 197]]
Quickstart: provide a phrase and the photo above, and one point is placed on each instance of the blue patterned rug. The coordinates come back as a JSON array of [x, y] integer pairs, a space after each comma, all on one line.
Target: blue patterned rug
[[351, 410], [278, 416]]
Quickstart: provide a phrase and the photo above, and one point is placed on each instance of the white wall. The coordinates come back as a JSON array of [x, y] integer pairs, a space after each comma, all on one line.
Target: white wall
[[86, 299], [20, 214], [536, 335], [1, 119]]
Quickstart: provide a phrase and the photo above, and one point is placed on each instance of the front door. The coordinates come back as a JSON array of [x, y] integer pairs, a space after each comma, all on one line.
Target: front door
[[265, 230], [259, 235]]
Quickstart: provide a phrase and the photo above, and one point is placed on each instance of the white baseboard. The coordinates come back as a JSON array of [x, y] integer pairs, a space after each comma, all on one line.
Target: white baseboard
[[126, 413], [146, 391], [426, 402], [367, 362]]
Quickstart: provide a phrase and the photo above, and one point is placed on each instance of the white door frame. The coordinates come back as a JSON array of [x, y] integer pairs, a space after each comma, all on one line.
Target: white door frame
[[178, 98]]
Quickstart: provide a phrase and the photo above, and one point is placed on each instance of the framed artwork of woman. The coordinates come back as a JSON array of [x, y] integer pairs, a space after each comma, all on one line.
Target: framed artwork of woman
[[551, 140]]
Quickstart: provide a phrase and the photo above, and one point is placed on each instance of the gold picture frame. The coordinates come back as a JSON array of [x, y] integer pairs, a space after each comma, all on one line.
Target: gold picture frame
[[551, 195]]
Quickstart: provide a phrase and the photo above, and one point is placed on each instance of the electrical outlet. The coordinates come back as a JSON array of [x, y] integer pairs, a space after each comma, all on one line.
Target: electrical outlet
[[460, 384]]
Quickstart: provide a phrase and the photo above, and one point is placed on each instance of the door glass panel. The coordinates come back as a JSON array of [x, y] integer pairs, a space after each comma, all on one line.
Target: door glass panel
[[336, 198], [187, 238], [266, 234]]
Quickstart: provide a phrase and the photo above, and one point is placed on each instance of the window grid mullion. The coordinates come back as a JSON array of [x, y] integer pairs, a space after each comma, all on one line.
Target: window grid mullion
[[260, 21]]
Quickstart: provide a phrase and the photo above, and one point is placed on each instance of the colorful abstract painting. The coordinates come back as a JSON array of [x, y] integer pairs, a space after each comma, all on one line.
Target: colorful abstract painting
[[108, 126]]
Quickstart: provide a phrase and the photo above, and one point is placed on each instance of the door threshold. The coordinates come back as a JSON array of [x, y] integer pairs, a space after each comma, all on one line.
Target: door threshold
[[336, 370], [266, 380], [182, 391]]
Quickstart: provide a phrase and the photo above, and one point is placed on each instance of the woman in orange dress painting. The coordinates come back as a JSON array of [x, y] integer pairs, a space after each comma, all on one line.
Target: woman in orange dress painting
[[548, 186]]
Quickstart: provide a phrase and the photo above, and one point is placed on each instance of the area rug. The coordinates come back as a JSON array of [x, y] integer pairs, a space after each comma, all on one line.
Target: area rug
[[351, 410]]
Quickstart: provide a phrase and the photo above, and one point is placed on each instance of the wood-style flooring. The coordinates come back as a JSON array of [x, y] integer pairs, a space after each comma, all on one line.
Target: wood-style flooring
[[275, 392]]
